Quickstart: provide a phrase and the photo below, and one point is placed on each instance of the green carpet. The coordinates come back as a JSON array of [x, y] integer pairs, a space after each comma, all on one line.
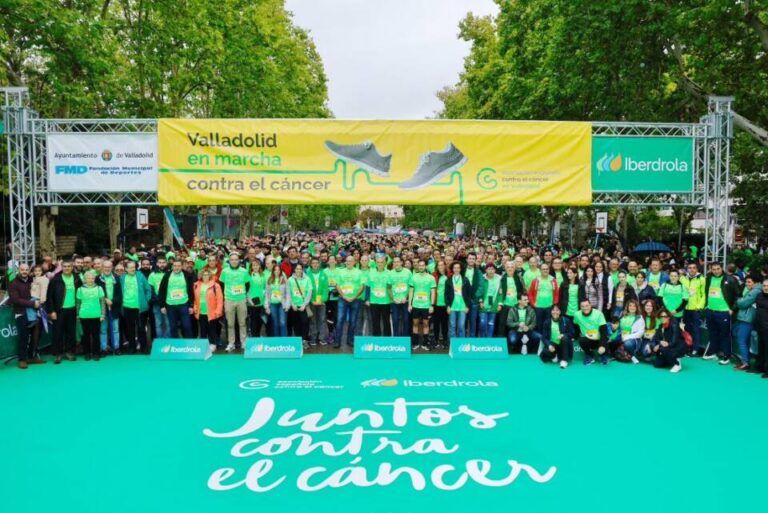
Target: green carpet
[[126, 434]]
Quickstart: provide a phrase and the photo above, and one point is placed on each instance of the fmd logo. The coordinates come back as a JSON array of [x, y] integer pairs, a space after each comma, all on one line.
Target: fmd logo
[[71, 170]]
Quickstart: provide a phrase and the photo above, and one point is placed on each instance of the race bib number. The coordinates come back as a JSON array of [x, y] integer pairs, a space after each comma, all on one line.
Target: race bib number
[[620, 296], [379, 292], [692, 292], [650, 333], [715, 292], [400, 288], [591, 334], [347, 290], [238, 289], [420, 296], [277, 295], [178, 294], [510, 293]]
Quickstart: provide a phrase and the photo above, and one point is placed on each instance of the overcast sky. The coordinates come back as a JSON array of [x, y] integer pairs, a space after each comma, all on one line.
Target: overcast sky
[[386, 59]]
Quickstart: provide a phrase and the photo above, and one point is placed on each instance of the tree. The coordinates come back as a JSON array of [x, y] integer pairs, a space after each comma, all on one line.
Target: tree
[[623, 61], [154, 58]]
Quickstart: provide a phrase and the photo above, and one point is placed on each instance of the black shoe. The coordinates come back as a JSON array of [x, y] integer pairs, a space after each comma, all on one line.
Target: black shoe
[[96, 357], [337, 345], [87, 357]]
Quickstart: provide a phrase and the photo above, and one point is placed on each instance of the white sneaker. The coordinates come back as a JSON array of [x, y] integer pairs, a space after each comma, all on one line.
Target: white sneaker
[[555, 359], [524, 350], [711, 356], [635, 360], [563, 364], [211, 348], [424, 348], [230, 348], [676, 368]]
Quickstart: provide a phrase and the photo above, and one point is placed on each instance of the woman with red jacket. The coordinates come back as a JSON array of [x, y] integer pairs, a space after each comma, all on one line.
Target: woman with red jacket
[[209, 306], [543, 294]]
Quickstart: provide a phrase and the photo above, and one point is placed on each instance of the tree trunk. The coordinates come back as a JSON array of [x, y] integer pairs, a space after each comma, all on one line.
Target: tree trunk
[[114, 227], [167, 232], [47, 233], [246, 216]]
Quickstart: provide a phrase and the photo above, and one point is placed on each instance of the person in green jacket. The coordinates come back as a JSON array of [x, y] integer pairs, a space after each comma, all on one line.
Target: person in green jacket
[[521, 323], [137, 294], [318, 327], [745, 317], [490, 305], [693, 281]]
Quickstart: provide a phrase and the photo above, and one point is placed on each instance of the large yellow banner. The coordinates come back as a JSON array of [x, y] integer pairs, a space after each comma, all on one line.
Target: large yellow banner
[[430, 162]]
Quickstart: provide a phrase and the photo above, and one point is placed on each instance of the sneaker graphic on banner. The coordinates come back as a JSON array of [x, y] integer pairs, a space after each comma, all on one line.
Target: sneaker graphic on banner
[[364, 155], [435, 165]]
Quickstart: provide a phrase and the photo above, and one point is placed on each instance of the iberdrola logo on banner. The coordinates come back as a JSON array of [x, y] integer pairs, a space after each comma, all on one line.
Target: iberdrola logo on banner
[[478, 348], [382, 347], [642, 164]]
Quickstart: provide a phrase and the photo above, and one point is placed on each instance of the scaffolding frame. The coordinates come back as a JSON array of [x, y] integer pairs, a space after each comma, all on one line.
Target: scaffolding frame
[[28, 177]]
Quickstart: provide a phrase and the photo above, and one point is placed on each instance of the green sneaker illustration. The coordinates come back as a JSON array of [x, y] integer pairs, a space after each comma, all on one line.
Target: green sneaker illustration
[[435, 165], [363, 155]]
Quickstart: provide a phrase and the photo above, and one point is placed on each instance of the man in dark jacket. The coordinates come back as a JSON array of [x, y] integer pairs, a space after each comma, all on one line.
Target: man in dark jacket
[[61, 310], [176, 296], [20, 298], [721, 291], [473, 276]]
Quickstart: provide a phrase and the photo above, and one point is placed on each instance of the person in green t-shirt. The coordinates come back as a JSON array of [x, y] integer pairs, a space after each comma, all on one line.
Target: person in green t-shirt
[[722, 291], [594, 332], [333, 296], [137, 294], [440, 317], [490, 295], [235, 281], [300, 294], [557, 339], [318, 326], [458, 297], [176, 300], [399, 282], [109, 336], [257, 290], [378, 296], [421, 299], [90, 311], [350, 286], [61, 306]]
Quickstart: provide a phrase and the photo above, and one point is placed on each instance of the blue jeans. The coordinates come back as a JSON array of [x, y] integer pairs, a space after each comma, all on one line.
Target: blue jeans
[[399, 319], [542, 317], [743, 332], [473, 316], [279, 320], [514, 336], [487, 323], [347, 312], [457, 320], [633, 345], [162, 328], [114, 320], [179, 315], [719, 327], [692, 320]]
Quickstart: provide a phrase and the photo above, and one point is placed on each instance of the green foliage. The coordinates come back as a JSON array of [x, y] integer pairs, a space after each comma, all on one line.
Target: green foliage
[[160, 58], [632, 60]]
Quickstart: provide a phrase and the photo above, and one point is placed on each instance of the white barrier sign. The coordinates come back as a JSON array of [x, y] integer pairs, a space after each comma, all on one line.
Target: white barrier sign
[[102, 162]]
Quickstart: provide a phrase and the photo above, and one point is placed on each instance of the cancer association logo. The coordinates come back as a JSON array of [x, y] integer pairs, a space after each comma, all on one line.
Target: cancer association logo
[[106, 155], [167, 349], [465, 348], [254, 384], [380, 383], [609, 162]]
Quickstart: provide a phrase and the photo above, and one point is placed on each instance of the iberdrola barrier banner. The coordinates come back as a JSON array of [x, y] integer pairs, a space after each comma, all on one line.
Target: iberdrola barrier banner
[[265, 161]]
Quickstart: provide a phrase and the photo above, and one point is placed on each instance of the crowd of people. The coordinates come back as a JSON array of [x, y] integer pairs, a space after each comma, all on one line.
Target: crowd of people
[[546, 300]]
